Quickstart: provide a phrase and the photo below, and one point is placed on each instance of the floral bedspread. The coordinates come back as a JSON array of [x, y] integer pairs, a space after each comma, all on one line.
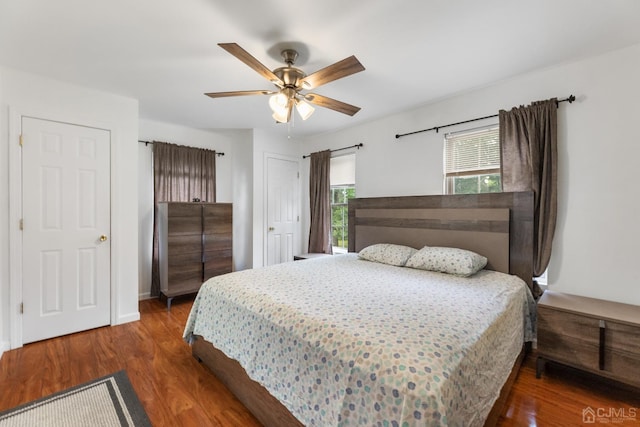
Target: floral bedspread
[[342, 341]]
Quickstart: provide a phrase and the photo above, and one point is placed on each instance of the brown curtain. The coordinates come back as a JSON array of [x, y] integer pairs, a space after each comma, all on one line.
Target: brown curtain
[[528, 140], [180, 174], [320, 203]]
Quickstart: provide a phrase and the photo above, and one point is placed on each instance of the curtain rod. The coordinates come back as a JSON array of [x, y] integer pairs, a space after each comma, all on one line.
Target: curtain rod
[[340, 149], [218, 153], [569, 99]]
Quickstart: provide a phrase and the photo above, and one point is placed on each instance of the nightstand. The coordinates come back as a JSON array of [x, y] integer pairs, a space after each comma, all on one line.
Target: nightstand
[[601, 337], [310, 256]]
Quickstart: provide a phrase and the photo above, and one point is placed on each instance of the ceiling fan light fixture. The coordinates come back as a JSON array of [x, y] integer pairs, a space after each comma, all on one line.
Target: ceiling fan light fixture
[[279, 118], [283, 114], [278, 102], [304, 109]]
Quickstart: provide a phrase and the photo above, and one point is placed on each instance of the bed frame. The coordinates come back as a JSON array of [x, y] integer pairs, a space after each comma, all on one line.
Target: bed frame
[[497, 225]]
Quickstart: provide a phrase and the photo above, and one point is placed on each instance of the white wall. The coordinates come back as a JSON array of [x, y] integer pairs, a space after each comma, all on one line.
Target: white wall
[[242, 190], [596, 242], [233, 178], [49, 99]]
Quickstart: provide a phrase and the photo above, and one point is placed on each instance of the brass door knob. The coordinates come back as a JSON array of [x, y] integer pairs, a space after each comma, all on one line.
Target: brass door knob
[[271, 228], [103, 238]]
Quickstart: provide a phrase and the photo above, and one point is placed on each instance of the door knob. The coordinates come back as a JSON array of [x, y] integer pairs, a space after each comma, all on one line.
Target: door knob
[[103, 238], [271, 228]]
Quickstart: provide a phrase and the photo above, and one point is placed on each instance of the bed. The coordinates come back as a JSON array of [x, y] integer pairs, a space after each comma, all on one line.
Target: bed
[[349, 341]]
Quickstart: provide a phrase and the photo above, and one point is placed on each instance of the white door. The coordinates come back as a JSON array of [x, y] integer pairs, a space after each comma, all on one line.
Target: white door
[[66, 228], [282, 209]]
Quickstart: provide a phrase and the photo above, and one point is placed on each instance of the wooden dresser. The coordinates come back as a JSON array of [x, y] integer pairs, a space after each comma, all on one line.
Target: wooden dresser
[[597, 336], [195, 244]]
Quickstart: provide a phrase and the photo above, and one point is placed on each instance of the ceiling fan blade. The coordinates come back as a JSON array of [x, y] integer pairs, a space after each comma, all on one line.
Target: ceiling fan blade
[[336, 71], [239, 93], [247, 58], [333, 104]]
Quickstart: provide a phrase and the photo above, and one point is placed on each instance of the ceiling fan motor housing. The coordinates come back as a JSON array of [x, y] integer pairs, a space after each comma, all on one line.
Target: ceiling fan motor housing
[[291, 76]]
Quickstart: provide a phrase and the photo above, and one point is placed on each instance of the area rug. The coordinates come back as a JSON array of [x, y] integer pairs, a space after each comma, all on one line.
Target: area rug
[[107, 401]]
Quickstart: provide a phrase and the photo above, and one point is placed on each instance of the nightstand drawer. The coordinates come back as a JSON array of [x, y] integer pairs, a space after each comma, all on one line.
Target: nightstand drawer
[[568, 324], [621, 337], [568, 338], [622, 351], [624, 367]]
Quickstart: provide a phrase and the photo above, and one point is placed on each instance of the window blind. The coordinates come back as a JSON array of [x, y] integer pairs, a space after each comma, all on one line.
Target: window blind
[[343, 170], [472, 151]]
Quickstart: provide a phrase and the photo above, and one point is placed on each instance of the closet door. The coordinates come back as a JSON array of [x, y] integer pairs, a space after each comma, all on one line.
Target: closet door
[[66, 208], [217, 226]]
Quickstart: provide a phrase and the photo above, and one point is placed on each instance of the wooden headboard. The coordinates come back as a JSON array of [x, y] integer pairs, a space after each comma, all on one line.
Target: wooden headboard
[[498, 226]]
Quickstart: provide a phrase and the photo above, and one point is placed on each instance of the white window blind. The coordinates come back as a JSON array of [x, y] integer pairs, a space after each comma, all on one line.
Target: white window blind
[[343, 170], [472, 152]]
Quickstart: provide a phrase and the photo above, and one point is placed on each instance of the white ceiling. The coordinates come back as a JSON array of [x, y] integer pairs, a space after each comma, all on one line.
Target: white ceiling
[[164, 52]]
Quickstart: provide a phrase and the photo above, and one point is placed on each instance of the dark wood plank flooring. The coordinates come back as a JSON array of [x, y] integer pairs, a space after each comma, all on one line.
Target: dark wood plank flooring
[[176, 390]]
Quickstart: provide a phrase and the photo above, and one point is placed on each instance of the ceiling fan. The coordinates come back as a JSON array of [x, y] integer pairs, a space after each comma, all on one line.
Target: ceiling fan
[[291, 81]]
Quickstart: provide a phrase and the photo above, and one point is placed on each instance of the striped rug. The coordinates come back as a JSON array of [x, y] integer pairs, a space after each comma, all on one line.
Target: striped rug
[[107, 401]]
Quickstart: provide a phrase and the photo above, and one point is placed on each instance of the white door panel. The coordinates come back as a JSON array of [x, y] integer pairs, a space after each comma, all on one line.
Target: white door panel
[[66, 210], [282, 209]]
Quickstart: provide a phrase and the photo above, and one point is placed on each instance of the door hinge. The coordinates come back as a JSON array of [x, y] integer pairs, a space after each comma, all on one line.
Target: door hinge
[[21, 308], [296, 172], [21, 140], [21, 224]]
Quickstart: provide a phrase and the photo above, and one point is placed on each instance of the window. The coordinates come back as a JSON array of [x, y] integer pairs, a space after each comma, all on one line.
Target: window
[[542, 279], [340, 195], [472, 161], [343, 177]]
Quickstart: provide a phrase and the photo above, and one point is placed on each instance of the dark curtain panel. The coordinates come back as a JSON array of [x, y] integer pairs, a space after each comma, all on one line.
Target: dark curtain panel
[[180, 174], [528, 140], [320, 203]]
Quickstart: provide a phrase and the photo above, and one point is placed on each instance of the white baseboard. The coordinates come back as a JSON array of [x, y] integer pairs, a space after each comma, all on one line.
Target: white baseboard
[[4, 346], [145, 295], [127, 318]]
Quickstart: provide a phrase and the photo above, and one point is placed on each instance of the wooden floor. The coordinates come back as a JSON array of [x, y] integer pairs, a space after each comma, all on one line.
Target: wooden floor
[[177, 391]]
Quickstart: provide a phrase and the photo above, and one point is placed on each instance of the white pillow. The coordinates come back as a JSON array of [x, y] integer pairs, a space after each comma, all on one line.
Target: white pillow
[[387, 253], [459, 262]]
